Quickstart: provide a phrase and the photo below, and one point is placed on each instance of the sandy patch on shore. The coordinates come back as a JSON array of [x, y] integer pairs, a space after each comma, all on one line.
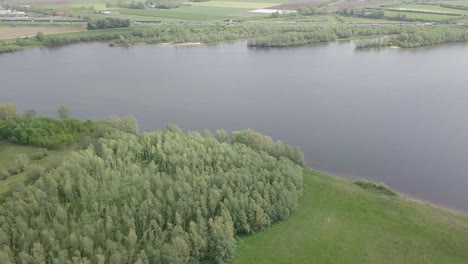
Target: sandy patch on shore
[[171, 44]]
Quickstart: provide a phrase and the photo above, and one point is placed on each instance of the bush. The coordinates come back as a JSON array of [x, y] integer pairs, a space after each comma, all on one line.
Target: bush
[[41, 153], [377, 187], [40, 36], [34, 171], [21, 163], [4, 174]]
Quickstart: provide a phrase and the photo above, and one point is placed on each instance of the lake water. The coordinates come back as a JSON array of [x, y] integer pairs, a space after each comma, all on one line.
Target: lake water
[[392, 115]]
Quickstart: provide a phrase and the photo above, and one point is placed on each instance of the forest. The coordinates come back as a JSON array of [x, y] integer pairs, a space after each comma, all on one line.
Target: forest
[[156, 197]]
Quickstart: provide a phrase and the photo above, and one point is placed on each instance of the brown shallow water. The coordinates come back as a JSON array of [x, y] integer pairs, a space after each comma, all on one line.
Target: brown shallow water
[[393, 115]]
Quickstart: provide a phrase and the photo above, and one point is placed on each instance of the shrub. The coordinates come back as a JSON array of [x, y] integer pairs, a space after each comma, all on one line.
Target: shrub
[[377, 187], [41, 153], [40, 36], [34, 171], [21, 163], [4, 174]]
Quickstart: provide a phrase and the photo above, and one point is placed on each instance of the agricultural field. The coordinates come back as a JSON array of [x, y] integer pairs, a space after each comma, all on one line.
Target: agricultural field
[[21, 31], [350, 4], [338, 222], [423, 16], [189, 13], [433, 8]]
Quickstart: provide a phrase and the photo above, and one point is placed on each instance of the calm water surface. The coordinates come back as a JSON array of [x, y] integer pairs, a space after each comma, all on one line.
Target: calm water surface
[[392, 115]]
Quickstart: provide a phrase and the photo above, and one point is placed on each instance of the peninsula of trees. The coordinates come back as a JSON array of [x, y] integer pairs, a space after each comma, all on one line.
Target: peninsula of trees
[[156, 197]]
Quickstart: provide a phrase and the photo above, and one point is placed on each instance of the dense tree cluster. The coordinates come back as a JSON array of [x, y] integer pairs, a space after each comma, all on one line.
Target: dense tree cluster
[[260, 142], [163, 4], [310, 11], [108, 22], [161, 197], [297, 35], [42, 131]]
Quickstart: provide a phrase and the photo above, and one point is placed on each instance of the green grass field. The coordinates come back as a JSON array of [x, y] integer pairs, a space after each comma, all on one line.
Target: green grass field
[[189, 13], [338, 222], [8, 153], [435, 8]]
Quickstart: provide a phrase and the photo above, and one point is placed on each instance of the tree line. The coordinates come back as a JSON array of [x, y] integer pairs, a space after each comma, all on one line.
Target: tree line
[[258, 36], [29, 129], [108, 22], [158, 197], [413, 37]]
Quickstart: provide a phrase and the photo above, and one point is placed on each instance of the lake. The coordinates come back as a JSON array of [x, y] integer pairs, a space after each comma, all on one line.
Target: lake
[[391, 115]]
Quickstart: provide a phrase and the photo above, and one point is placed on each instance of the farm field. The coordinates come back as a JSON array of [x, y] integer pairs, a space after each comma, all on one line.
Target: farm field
[[434, 8], [338, 222], [350, 4], [10, 32], [423, 17], [193, 13]]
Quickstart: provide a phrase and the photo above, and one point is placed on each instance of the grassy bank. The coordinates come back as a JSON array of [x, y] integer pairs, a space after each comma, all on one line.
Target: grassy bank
[[339, 222]]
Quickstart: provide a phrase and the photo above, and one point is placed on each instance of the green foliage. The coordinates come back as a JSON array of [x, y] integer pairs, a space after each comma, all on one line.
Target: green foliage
[[4, 174], [417, 37], [41, 153], [30, 114], [108, 22], [127, 123], [377, 187], [20, 164], [310, 11], [8, 111], [259, 142], [160, 197], [44, 132], [301, 35], [40, 36], [164, 4], [34, 171]]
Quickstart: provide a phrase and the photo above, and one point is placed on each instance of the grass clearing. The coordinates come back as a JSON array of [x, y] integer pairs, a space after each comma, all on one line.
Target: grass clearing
[[8, 153], [339, 222]]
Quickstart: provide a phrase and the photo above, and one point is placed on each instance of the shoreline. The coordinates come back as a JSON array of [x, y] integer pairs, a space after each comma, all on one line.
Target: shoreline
[[403, 195], [181, 44]]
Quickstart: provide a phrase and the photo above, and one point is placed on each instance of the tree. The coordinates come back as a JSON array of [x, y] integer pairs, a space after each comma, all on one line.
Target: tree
[[8, 111], [40, 36], [63, 112], [30, 114], [129, 124]]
